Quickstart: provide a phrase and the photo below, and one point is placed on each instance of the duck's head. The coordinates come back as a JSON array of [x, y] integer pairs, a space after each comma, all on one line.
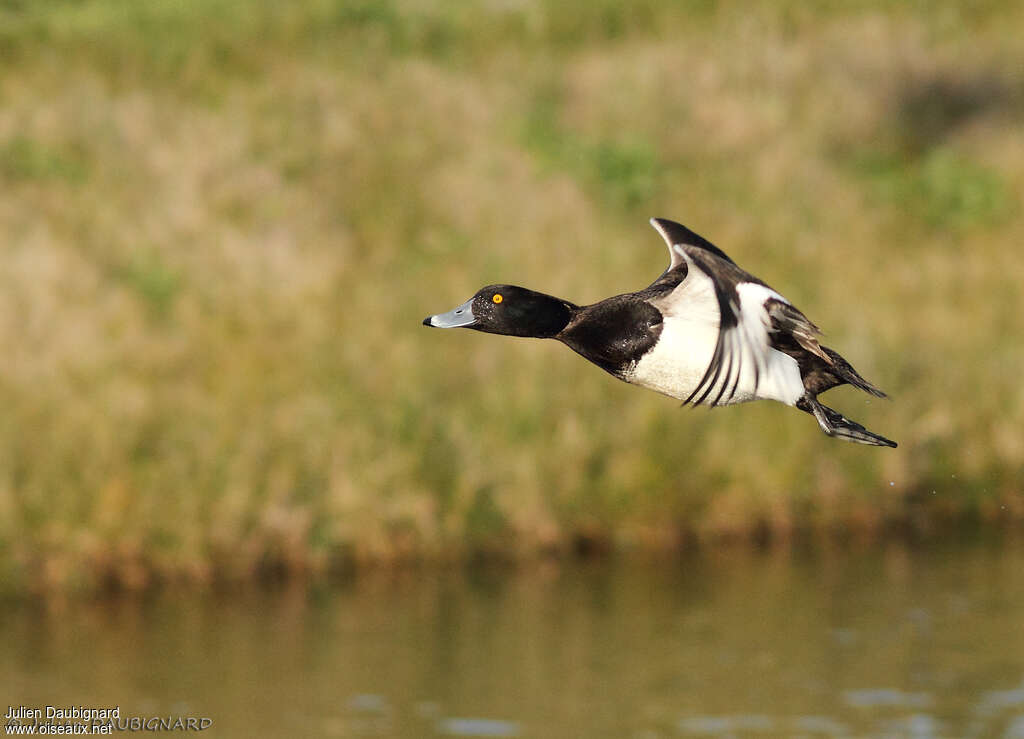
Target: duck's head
[[508, 310]]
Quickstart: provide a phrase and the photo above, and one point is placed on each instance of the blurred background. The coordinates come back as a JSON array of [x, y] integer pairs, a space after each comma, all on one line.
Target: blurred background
[[224, 221]]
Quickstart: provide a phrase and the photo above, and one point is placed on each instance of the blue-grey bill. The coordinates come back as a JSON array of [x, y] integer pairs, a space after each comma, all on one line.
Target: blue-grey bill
[[461, 316]]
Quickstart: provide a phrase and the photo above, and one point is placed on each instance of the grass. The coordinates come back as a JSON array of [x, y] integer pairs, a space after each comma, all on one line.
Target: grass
[[624, 172], [943, 190], [25, 160], [224, 221]]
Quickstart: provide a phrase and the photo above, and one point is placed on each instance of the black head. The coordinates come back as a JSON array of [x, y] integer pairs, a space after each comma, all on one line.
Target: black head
[[508, 310]]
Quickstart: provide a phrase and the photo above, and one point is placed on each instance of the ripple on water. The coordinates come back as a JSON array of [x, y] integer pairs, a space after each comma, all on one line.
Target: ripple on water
[[820, 725], [368, 703], [880, 697], [1016, 729], [752, 724], [477, 727], [369, 715], [725, 724], [994, 701], [919, 725]]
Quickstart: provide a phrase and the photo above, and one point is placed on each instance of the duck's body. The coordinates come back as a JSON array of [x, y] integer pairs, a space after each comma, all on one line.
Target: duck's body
[[705, 332]]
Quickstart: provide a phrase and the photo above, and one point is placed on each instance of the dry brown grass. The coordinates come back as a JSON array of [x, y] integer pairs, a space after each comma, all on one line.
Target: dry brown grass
[[223, 223]]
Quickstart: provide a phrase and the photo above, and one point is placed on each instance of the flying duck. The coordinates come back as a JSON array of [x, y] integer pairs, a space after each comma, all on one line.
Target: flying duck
[[705, 332]]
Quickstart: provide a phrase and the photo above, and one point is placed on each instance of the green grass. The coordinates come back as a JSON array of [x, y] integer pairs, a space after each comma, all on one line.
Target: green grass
[[224, 221], [25, 160], [942, 190], [623, 172]]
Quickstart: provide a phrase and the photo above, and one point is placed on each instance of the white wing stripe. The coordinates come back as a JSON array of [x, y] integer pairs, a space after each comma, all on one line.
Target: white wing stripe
[[744, 361], [776, 374]]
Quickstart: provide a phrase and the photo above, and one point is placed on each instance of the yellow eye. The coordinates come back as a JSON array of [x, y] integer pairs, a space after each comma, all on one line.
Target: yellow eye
[[497, 298]]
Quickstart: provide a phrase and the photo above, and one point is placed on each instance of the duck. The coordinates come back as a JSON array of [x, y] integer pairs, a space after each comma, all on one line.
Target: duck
[[706, 332]]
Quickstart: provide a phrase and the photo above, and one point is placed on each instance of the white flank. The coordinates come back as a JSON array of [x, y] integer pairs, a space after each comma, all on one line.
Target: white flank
[[679, 360]]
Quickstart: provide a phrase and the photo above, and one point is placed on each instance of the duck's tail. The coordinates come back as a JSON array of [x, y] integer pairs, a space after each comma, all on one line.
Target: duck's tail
[[836, 424], [845, 371]]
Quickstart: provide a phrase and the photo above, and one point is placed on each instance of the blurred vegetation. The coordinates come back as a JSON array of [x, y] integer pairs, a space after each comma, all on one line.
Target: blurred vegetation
[[223, 222]]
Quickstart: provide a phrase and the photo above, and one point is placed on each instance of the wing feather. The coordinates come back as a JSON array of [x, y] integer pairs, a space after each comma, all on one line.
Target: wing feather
[[749, 311], [742, 337], [789, 320]]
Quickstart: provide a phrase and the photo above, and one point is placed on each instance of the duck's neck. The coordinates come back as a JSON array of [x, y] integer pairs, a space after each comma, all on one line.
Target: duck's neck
[[544, 316]]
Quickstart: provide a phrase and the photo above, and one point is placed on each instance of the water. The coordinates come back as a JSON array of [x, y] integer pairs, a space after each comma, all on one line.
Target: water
[[885, 642]]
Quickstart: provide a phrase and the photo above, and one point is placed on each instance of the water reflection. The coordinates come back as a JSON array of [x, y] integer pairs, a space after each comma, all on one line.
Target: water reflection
[[891, 642]]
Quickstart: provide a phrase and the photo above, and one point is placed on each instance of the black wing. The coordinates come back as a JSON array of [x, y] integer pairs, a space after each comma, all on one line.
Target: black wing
[[677, 269], [676, 233]]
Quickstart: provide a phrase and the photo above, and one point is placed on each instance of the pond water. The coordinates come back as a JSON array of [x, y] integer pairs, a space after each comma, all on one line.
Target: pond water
[[889, 641]]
